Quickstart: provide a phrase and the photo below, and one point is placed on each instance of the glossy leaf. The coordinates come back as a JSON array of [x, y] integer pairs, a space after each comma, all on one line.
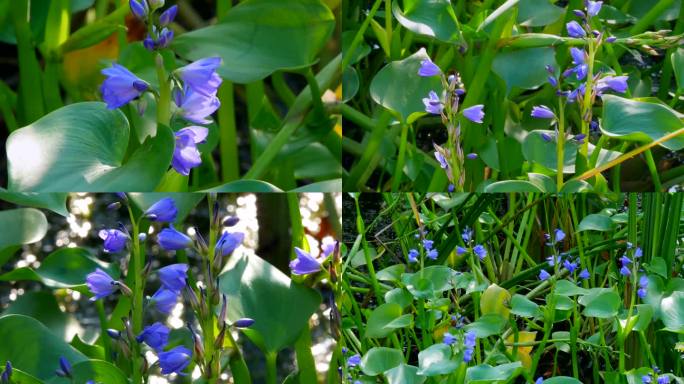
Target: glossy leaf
[[81, 147], [640, 121], [508, 64], [254, 186], [380, 359], [385, 319], [259, 37], [522, 306], [321, 186], [436, 360], [495, 300], [562, 380], [258, 290], [542, 152], [22, 226], [672, 310], [678, 66], [432, 280], [600, 303], [42, 306], [596, 222], [435, 18], [485, 373], [404, 374], [403, 74], [535, 13], [487, 325], [56, 202]]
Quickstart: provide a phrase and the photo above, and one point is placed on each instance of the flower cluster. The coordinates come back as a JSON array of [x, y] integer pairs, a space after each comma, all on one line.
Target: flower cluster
[[194, 86], [468, 347], [659, 379], [306, 264], [428, 248], [450, 156], [561, 261], [478, 250], [353, 365]]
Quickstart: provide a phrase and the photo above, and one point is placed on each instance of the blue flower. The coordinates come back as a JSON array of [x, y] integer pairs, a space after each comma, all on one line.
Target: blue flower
[[428, 69], [593, 7], [433, 104], [442, 161], [173, 277], [584, 274], [168, 16], [185, 154], [172, 240], [304, 263], [155, 335], [165, 300], [451, 188], [575, 29], [174, 360], [100, 284], [571, 267], [553, 81], [413, 256], [540, 380], [163, 210], [201, 77], [471, 156], [663, 380], [427, 244], [244, 322], [616, 83], [432, 254], [467, 235], [638, 253], [165, 37], [625, 260], [611, 39], [228, 242], [646, 379], [139, 8], [474, 113], [460, 250], [469, 344], [553, 260], [543, 275], [480, 251], [546, 137], [643, 286], [196, 107], [449, 339], [6, 374], [353, 361], [558, 235], [64, 367], [542, 112], [624, 271], [114, 240], [121, 86], [578, 56]]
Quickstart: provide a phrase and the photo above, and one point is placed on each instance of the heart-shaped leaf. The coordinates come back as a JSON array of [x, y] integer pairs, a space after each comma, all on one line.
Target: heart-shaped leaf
[[436, 360], [81, 147], [380, 359], [435, 18], [56, 202], [22, 226], [259, 37], [508, 65]]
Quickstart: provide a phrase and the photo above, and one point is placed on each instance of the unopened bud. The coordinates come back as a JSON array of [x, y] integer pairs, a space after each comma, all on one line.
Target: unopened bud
[[245, 322], [230, 221], [7, 374], [114, 334], [114, 206], [218, 343]]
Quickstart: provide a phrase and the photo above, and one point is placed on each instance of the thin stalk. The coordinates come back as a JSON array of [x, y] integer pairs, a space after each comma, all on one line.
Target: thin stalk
[[103, 330], [30, 74], [138, 291], [650, 163], [586, 106], [271, 368], [399, 169], [349, 54], [560, 145], [164, 100]]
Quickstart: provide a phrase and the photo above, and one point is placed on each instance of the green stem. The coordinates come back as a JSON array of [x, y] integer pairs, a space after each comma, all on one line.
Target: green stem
[[138, 291], [399, 169], [271, 367], [349, 54], [653, 170], [103, 330], [586, 106], [305, 359], [316, 96], [164, 101], [560, 145], [30, 74]]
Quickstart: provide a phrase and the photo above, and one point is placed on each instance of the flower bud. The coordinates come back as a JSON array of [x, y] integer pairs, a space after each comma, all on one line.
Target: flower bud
[[168, 16], [114, 334], [142, 236], [139, 8], [64, 367], [156, 4], [243, 323], [114, 206], [218, 343], [7, 374]]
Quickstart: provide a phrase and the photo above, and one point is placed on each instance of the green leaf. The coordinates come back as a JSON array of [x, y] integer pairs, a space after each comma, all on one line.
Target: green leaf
[[486, 374], [96, 370], [362, 50], [399, 296], [380, 359], [511, 186], [391, 273], [672, 312], [403, 74], [431, 281], [334, 185], [32, 347], [495, 300], [56, 202], [259, 37], [568, 288], [359, 258], [542, 152], [535, 13], [22, 226], [576, 186], [435, 18], [524, 307], [640, 121], [596, 222], [487, 325], [42, 306], [404, 374], [185, 202], [254, 186], [81, 147], [350, 84], [436, 360], [678, 66], [562, 380], [280, 307], [600, 302], [508, 64], [385, 319]]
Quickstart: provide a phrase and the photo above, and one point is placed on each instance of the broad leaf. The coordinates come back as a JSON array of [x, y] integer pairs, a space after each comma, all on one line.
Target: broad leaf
[[436, 360], [380, 359], [254, 186], [56, 202], [508, 65], [542, 152], [596, 222], [385, 319], [485, 373], [434, 18], [22, 226]]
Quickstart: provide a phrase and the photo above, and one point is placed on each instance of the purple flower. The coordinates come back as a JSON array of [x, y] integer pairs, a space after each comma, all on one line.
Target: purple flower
[[638, 252], [149, 43], [449, 339], [584, 274], [174, 360], [121, 86], [451, 188], [186, 155], [64, 367], [540, 380], [553, 81], [428, 69], [114, 240], [172, 240], [433, 104], [201, 77], [432, 254], [100, 284], [611, 39], [469, 344], [575, 29], [625, 260], [471, 156], [460, 250], [581, 72], [474, 113], [354, 361], [165, 37], [165, 300], [571, 267], [543, 275], [442, 161], [480, 251], [467, 235], [228, 242], [663, 380], [427, 244], [197, 107], [168, 16], [139, 8], [155, 335], [616, 83], [163, 210], [7, 374], [646, 379], [173, 277], [594, 7], [542, 112], [244, 322], [624, 271], [546, 137], [578, 56], [580, 138], [558, 235], [304, 263]]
